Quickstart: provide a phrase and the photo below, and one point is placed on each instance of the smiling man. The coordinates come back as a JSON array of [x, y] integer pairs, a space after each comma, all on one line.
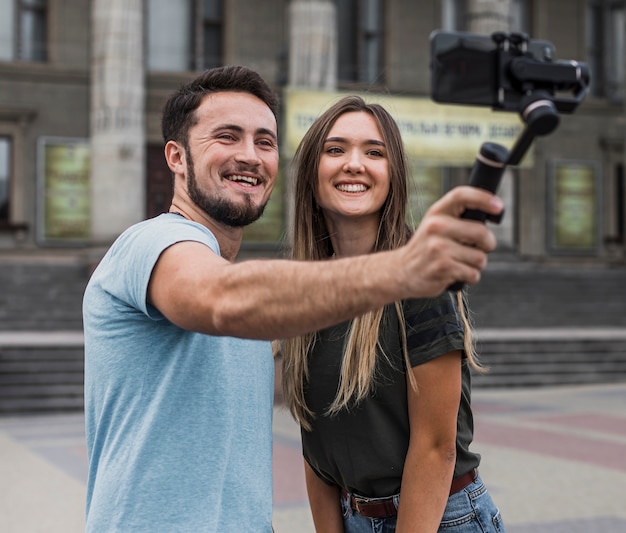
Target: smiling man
[[178, 367]]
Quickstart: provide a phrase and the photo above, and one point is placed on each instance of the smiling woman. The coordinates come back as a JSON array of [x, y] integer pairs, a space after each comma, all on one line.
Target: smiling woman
[[383, 399], [353, 177]]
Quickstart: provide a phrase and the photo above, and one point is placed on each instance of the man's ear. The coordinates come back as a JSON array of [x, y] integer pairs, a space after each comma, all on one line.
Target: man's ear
[[175, 157]]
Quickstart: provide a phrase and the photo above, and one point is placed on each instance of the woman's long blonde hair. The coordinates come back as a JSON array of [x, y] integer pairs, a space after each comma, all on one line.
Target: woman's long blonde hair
[[311, 241]]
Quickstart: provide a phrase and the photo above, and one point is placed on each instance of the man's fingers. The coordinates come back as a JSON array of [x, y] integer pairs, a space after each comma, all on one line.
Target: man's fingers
[[464, 197], [469, 233], [446, 248]]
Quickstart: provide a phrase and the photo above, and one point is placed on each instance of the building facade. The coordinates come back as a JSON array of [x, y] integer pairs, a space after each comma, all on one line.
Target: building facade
[[82, 85]]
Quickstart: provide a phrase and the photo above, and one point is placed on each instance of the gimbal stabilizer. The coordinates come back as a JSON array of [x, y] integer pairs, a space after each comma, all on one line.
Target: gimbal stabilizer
[[524, 83]]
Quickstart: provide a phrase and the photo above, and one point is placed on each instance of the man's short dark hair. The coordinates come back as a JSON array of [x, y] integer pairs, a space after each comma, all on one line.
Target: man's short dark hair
[[179, 112]]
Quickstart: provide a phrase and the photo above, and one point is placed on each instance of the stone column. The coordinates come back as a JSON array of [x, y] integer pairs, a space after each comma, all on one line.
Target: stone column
[[312, 55], [312, 44], [117, 118], [487, 16]]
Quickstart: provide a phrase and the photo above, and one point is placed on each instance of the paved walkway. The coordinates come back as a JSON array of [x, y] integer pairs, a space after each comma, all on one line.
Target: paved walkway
[[554, 460]]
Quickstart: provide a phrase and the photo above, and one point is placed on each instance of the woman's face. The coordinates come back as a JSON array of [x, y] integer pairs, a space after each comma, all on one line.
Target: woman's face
[[353, 175]]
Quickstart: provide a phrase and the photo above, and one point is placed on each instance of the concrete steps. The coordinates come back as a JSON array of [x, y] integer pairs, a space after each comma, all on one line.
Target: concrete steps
[[46, 374], [41, 346], [516, 295], [42, 296], [41, 371], [551, 356], [535, 326]]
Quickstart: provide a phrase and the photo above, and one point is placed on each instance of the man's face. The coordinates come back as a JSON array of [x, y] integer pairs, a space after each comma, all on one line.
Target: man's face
[[232, 157]]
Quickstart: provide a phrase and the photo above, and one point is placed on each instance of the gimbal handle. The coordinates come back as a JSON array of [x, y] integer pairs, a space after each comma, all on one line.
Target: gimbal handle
[[486, 174], [541, 118]]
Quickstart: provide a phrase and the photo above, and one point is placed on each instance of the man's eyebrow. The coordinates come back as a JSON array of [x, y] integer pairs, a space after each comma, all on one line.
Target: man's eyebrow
[[232, 127], [344, 140], [239, 129], [265, 131]]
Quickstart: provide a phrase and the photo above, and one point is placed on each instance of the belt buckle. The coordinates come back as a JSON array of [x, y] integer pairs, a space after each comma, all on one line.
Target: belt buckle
[[358, 501]]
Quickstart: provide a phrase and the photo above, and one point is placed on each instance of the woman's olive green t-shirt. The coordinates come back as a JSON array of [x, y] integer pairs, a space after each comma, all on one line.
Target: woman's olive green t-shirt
[[363, 449]]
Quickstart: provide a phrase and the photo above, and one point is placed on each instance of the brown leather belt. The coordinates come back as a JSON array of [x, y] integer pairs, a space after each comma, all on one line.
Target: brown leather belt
[[459, 483], [381, 508], [378, 508]]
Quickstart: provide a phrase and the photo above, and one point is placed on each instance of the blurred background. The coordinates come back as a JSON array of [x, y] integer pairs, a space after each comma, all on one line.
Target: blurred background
[[82, 85]]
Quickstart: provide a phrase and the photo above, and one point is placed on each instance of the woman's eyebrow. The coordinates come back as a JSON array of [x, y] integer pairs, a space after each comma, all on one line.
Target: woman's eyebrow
[[344, 140]]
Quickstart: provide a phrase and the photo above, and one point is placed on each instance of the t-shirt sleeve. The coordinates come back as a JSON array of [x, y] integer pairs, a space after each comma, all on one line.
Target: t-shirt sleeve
[[433, 327], [133, 256]]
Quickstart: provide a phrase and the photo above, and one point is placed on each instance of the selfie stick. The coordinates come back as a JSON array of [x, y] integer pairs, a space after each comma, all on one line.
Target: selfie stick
[[541, 118]]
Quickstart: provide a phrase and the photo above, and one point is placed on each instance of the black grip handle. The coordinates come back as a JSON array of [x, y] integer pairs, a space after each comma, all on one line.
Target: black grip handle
[[486, 174]]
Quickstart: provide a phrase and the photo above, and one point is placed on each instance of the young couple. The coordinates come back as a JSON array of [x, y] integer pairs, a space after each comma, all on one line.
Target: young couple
[[178, 363]]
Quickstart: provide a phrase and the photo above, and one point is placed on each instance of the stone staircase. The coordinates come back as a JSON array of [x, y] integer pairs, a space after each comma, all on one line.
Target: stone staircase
[[554, 356], [41, 372], [535, 326], [41, 343], [550, 325], [518, 295], [42, 295]]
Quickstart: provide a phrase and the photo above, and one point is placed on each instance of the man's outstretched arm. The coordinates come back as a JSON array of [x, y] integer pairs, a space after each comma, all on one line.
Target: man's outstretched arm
[[267, 299]]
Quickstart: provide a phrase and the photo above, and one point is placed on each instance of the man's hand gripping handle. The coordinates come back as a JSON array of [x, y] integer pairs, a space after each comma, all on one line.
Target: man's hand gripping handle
[[486, 174]]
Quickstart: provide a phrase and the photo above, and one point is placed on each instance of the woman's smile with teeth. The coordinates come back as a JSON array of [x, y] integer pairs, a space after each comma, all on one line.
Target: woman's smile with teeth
[[351, 187]]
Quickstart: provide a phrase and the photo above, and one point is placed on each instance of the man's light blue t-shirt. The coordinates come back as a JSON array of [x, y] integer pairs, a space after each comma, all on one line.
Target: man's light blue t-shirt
[[178, 423]]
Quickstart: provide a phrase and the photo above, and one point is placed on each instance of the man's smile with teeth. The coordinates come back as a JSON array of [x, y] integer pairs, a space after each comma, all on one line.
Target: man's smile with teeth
[[248, 180], [351, 187]]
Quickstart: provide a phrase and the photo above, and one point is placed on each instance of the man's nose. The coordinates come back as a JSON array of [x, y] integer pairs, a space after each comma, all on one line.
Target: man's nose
[[247, 152]]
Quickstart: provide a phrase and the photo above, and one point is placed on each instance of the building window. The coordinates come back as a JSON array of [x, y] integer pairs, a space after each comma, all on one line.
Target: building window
[[24, 30], [169, 45], [453, 15], [620, 208], [5, 179], [186, 35], [7, 26], [520, 16], [360, 33], [212, 33], [606, 37], [33, 35]]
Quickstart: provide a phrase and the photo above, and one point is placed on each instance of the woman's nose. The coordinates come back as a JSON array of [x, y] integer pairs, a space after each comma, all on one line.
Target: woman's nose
[[354, 163]]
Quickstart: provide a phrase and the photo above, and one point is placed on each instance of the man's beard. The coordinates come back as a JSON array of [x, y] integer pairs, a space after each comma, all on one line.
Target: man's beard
[[221, 209]]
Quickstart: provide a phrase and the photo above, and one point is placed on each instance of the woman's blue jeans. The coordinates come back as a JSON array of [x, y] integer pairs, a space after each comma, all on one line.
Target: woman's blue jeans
[[470, 510]]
